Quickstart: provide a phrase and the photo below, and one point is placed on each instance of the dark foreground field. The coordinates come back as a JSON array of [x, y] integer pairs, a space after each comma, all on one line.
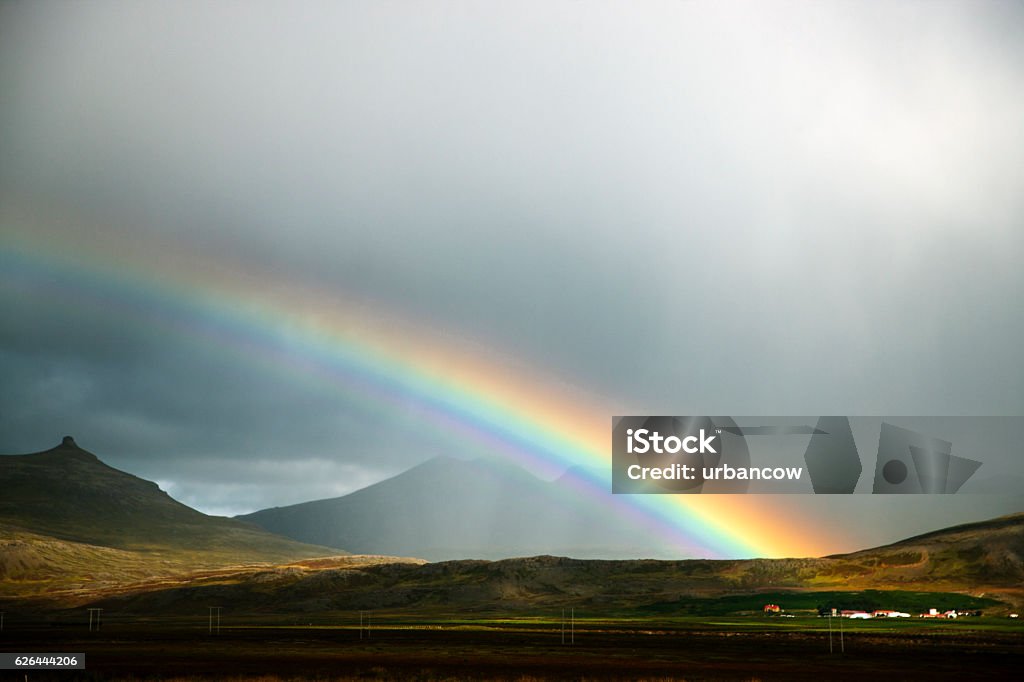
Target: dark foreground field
[[751, 648]]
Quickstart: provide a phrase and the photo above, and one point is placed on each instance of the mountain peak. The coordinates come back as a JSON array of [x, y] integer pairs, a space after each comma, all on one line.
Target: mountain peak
[[69, 448]]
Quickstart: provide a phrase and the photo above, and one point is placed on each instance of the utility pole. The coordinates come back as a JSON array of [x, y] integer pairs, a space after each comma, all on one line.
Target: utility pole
[[213, 610], [364, 624], [97, 612], [563, 626], [572, 625], [842, 647], [830, 632]]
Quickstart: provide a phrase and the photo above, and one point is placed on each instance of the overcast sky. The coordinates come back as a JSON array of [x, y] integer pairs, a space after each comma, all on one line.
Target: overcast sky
[[676, 208]]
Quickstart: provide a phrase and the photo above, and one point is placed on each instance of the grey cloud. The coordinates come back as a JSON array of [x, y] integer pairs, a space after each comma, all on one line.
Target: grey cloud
[[686, 208], [200, 482]]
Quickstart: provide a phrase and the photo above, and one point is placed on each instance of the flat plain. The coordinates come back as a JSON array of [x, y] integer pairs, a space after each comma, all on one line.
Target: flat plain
[[411, 646]]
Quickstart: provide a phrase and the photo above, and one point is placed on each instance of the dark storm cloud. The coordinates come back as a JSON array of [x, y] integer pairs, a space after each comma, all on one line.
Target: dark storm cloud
[[687, 208], [155, 400]]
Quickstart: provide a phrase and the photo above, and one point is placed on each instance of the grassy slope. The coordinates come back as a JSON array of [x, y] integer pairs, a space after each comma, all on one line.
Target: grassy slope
[[69, 521], [893, 577]]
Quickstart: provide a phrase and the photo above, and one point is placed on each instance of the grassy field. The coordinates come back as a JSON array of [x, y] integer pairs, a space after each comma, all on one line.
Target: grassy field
[[404, 645]]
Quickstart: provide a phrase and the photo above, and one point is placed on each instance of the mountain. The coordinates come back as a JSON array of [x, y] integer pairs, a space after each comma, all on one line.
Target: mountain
[[976, 566], [448, 508], [73, 530], [65, 513]]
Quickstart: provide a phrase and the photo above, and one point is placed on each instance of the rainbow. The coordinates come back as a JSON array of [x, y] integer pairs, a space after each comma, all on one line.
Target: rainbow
[[380, 360]]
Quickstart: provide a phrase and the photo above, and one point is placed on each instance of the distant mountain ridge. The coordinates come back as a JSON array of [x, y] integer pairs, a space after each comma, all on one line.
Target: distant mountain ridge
[[447, 508]]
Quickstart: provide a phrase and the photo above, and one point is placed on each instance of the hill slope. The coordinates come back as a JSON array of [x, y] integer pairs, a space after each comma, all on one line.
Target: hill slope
[[447, 508], [914, 574], [66, 515], [983, 553]]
